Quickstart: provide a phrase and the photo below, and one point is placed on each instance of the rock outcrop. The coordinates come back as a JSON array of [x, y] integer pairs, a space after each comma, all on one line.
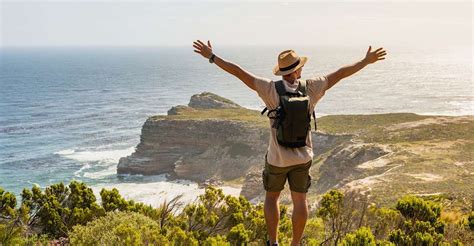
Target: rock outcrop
[[341, 166], [195, 148], [207, 100]]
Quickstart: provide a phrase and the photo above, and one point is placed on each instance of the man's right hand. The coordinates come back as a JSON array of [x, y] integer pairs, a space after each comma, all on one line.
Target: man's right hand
[[230, 67], [201, 48]]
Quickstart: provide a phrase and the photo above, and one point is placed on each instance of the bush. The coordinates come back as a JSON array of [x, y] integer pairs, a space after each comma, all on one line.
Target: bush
[[58, 208], [421, 225], [215, 241], [118, 228], [342, 213], [414, 208], [71, 211], [217, 214], [470, 220], [382, 221], [177, 236], [314, 231], [362, 237], [7, 204], [238, 235]]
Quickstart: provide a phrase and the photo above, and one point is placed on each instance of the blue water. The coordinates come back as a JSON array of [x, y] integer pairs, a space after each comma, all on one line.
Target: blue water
[[71, 112]]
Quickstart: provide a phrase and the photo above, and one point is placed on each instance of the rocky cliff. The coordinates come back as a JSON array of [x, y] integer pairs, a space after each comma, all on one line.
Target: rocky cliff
[[213, 138], [194, 143]]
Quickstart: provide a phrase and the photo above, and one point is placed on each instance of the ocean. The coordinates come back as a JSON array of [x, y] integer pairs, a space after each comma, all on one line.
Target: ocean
[[70, 113]]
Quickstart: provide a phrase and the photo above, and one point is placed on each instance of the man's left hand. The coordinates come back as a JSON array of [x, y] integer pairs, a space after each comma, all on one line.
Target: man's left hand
[[377, 55]]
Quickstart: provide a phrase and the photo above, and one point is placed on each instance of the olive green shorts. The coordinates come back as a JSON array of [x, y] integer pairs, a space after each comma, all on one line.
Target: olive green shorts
[[274, 178]]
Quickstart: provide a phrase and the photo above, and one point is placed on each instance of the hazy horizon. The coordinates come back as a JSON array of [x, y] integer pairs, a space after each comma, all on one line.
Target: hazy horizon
[[235, 23]]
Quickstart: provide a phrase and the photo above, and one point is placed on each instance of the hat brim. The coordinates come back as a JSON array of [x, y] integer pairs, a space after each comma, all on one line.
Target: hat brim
[[276, 69]]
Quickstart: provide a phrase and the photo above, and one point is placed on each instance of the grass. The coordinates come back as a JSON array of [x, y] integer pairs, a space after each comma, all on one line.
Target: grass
[[216, 97], [238, 182], [376, 128], [353, 124], [236, 114]]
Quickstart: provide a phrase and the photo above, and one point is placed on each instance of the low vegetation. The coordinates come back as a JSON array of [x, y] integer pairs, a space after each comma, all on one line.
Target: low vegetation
[[71, 215]]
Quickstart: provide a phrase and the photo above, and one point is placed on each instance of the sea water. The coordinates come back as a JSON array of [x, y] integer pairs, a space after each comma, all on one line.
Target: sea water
[[70, 113]]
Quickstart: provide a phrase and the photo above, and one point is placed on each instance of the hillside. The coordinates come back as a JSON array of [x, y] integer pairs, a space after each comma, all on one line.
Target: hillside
[[389, 155]]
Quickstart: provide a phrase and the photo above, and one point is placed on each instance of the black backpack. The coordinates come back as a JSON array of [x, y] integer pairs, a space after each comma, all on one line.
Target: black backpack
[[292, 119]]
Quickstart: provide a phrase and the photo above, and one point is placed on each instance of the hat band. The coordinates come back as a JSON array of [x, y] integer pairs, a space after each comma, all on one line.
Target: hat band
[[291, 66]]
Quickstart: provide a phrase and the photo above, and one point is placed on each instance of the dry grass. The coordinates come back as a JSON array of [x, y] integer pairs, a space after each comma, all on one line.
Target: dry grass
[[451, 217]]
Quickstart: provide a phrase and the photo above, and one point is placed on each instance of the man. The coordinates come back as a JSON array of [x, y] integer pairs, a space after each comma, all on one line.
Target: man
[[282, 163]]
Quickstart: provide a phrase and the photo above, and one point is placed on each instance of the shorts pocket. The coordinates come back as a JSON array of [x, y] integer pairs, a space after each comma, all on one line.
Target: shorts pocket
[[309, 183], [299, 178], [265, 179], [273, 180]]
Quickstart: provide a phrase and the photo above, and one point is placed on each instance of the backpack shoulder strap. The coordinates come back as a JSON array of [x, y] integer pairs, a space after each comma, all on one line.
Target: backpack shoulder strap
[[280, 88], [315, 125], [302, 87]]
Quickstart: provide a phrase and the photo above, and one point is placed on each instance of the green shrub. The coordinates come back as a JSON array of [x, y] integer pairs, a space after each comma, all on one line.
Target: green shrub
[[470, 220], [118, 228], [177, 236], [58, 208], [314, 231], [421, 225], [7, 203], [398, 237], [238, 235], [362, 237], [215, 241], [382, 221], [385, 243], [414, 208]]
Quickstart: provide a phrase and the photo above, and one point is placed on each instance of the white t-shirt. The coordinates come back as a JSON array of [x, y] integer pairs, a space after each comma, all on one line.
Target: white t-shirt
[[278, 155]]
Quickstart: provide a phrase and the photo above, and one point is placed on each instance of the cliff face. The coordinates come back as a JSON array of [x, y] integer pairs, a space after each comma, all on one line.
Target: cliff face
[[197, 148], [389, 154]]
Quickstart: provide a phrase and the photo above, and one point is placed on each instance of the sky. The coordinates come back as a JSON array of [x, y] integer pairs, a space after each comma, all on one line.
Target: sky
[[232, 22]]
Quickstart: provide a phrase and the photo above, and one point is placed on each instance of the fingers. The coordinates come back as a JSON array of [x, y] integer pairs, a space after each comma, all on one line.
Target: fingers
[[197, 47], [200, 47], [197, 44], [382, 58], [370, 48], [377, 50]]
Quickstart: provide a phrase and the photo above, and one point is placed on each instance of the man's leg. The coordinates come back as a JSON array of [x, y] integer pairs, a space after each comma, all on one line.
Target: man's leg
[[299, 216], [271, 210], [300, 181]]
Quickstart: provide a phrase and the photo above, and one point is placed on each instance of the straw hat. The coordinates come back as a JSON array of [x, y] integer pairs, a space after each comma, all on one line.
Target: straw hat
[[288, 62]]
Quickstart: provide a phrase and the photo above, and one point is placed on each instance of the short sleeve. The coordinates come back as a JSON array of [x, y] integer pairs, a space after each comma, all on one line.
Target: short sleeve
[[317, 88], [263, 86]]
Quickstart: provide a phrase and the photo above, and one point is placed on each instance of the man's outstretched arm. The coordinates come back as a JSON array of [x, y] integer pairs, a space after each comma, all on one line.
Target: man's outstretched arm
[[347, 71], [232, 68]]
